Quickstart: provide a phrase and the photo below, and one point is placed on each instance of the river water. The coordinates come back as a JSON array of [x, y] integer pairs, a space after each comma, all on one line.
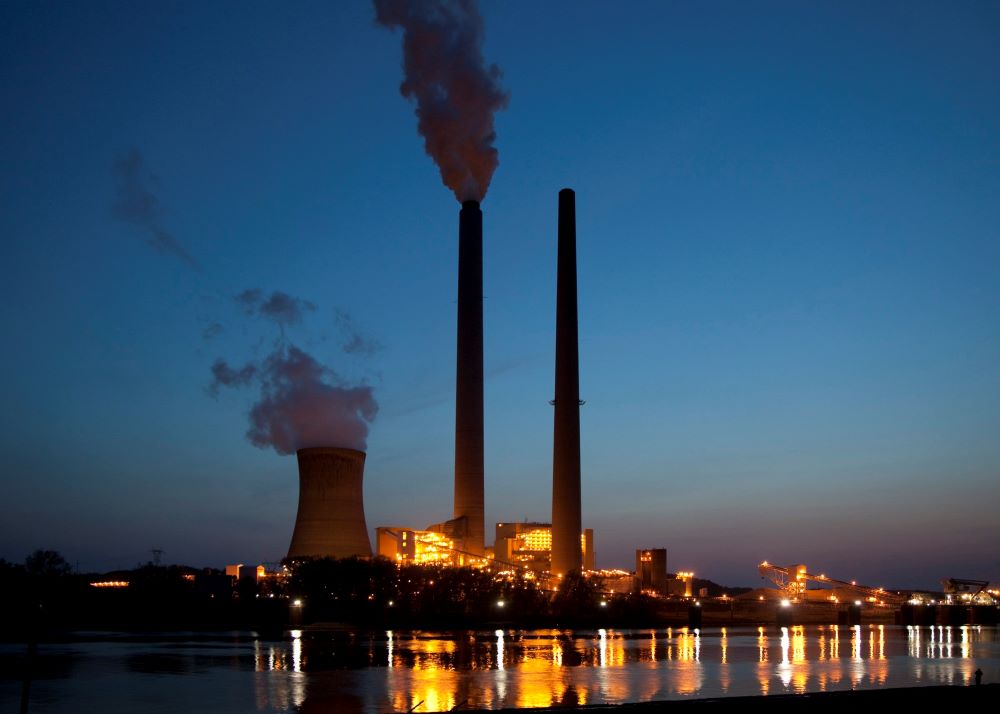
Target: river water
[[422, 671]]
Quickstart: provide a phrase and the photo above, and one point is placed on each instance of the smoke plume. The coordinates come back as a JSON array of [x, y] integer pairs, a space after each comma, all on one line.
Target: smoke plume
[[225, 376], [456, 94], [138, 205], [303, 404], [212, 331], [355, 342], [280, 307]]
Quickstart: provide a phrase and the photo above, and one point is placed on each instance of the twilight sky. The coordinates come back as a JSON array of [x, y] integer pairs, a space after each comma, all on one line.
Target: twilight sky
[[789, 273]]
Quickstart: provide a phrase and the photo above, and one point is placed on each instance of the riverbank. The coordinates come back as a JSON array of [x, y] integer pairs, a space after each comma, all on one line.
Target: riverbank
[[936, 698]]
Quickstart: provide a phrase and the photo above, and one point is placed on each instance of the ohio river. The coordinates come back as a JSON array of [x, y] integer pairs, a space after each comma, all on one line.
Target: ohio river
[[423, 671]]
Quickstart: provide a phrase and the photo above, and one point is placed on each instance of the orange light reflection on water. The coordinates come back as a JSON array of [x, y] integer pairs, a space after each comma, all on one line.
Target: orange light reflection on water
[[499, 669], [724, 666], [763, 669], [688, 672]]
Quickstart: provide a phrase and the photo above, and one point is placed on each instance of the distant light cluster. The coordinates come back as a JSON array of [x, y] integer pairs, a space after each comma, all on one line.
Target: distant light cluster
[[110, 584]]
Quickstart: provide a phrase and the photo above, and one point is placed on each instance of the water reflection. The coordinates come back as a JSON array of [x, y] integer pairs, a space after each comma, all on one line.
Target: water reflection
[[724, 665], [296, 650], [379, 672], [785, 668], [941, 642]]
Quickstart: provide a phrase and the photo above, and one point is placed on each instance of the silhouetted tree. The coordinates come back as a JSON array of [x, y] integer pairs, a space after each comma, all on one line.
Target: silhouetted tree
[[577, 599], [379, 590], [46, 563], [343, 590]]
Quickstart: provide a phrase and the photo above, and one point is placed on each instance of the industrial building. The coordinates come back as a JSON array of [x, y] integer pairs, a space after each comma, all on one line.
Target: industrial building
[[651, 570], [529, 545], [524, 545], [406, 545], [651, 576]]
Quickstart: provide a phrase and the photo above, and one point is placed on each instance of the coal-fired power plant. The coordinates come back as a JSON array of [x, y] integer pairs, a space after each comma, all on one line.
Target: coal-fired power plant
[[330, 522], [566, 513], [469, 509]]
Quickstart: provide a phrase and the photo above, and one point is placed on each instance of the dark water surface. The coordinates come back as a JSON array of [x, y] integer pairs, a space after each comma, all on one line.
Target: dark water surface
[[433, 671]]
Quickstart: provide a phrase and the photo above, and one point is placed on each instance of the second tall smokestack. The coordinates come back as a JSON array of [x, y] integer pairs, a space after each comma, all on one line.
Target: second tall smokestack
[[566, 516], [469, 380]]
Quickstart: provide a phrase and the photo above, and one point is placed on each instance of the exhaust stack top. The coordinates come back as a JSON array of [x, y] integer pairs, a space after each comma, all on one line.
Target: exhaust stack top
[[566, 511]]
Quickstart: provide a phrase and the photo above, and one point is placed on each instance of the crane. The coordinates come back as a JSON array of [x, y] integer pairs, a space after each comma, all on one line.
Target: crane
[[792, 582], [974, 591]]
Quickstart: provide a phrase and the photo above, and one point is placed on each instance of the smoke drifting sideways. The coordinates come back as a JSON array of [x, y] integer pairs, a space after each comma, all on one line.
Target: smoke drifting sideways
[[137, 205], [355, 342], [456, 94], [280, 307], [302, 403]]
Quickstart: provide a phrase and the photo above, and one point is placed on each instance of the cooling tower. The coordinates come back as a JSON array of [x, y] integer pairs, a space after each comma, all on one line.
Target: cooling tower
[[566, 517], [331, 518], [469, 380]]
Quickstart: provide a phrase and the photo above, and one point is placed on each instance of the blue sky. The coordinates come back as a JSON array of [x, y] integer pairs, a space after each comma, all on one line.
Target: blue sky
[[789, 272]]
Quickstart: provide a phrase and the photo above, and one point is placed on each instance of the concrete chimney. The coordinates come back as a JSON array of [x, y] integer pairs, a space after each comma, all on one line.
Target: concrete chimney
[[566, 517], [469, 469], [331, 518]]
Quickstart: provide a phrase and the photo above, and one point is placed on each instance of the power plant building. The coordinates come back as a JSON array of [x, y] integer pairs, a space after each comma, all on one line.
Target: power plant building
[[529, 545], [407, 545], [651, 570], [651, 575], [331, 522]]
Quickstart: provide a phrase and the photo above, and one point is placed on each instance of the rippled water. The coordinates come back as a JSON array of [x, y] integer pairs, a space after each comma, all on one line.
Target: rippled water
[[432, 671]]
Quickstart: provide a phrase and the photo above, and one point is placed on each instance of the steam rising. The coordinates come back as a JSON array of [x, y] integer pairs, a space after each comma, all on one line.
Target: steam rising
[[225, 376], [302, 403], [455, 92]]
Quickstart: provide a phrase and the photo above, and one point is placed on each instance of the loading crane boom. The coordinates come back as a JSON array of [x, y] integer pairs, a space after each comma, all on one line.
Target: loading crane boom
[[974, 591], [792, 582]]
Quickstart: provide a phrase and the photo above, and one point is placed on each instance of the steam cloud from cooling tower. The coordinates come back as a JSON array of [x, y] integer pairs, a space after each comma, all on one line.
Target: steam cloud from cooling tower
[[302, 403], [299, 407], [455, 92]]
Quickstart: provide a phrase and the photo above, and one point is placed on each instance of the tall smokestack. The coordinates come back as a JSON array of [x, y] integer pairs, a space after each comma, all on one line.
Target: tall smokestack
[[566, 518], [331, 519], [469, 379]]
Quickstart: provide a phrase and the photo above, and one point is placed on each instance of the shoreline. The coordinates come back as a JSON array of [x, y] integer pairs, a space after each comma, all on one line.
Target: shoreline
[[919, 697]]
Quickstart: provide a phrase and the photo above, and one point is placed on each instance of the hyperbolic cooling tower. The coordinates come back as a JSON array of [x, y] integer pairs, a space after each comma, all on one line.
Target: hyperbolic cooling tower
[[331, 518], [566, 517], [469, 380]]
